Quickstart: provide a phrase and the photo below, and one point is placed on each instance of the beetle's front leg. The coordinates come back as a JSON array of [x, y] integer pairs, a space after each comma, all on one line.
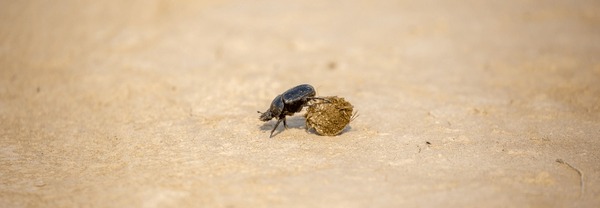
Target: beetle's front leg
[[276, 125], [284, 123]]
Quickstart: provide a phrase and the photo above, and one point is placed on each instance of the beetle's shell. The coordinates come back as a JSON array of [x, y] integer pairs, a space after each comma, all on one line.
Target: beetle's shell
[[298, 94], [330, 116]]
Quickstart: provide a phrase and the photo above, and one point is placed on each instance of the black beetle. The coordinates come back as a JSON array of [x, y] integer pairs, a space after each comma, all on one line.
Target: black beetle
[[289, 102]]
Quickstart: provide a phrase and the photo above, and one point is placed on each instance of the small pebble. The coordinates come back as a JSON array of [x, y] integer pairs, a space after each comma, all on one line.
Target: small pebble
[[39, 183]]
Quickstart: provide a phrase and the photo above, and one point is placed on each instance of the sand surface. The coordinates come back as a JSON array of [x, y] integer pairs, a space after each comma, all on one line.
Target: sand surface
[[153, 103]]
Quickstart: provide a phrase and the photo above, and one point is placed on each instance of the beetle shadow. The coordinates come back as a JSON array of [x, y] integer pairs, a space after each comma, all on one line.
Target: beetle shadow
[[293, 122]]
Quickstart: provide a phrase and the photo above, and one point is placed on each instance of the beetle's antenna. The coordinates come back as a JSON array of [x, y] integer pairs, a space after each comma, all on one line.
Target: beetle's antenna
[[259, 112]]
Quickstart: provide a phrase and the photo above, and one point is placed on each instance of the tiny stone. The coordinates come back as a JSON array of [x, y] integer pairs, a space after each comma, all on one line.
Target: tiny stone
[[39, 183], [330, 116]]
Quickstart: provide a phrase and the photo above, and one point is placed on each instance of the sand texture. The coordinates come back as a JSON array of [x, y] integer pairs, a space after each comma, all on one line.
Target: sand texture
[[153, 103]]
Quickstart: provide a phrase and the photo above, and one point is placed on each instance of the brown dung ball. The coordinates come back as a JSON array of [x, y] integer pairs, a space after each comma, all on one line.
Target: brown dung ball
[[329, 116]]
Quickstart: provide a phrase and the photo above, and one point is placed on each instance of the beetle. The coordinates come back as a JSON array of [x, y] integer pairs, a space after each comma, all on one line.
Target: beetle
[[289, 102]]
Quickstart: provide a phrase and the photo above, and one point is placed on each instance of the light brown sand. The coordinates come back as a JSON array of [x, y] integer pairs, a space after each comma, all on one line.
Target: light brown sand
[[153, 103]]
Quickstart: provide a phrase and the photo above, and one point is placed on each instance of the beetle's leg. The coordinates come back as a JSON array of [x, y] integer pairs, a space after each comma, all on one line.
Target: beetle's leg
[[284, 123], [276, 125], [316, 100]]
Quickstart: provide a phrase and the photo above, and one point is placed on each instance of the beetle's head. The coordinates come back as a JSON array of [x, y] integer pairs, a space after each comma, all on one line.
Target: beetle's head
[[274, 110], [266, 116]]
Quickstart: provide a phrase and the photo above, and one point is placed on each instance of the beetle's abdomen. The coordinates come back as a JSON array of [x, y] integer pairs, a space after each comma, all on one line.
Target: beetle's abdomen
[[296, 98], [292, 108]]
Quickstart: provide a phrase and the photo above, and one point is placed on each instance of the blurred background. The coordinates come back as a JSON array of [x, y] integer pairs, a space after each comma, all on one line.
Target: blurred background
[[153, 103]]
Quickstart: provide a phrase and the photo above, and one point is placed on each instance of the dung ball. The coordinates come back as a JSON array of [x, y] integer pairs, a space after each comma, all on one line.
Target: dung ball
[[329, 116]]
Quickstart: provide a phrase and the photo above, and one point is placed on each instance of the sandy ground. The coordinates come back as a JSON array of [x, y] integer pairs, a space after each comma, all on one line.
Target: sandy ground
[[153, 103]]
